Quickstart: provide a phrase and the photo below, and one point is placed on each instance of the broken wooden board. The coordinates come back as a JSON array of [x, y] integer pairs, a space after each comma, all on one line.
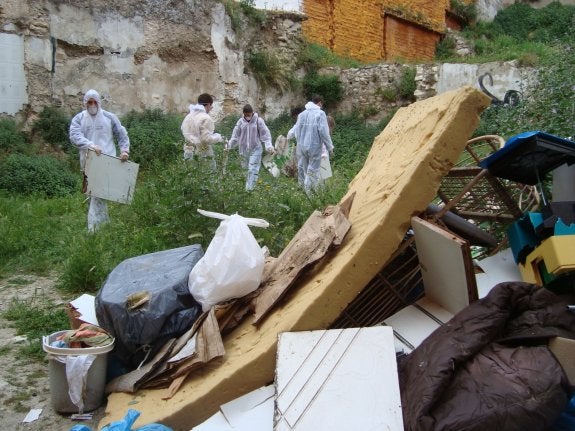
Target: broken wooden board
[[400, 177], [110, 178], [308, 246], [337, 380], [446, 266]]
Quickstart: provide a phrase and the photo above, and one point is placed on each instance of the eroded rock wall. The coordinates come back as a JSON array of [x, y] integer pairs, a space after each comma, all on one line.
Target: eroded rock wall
[[142, 54]]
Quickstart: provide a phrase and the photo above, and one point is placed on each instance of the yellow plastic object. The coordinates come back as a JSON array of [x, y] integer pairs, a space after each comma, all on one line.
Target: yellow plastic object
[[557, 254]]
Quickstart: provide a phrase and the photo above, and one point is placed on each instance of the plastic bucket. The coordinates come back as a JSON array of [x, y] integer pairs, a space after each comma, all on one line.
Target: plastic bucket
[[95, 380]]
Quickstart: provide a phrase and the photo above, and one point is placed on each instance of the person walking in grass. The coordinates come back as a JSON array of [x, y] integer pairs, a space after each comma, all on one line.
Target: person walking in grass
[[311, 131], [96, 129], [249, 134], [198, 130]]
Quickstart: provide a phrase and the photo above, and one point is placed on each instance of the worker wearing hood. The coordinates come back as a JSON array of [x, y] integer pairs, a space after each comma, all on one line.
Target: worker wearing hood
[[98, 130], [249, 134], [311, 132], [198, 130]]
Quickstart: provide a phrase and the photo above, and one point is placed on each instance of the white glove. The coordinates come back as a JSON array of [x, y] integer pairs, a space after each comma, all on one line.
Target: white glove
[[270, 150], [218, 137]]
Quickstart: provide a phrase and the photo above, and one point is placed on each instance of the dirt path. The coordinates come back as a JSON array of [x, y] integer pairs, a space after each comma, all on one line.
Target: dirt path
[[24, 383]]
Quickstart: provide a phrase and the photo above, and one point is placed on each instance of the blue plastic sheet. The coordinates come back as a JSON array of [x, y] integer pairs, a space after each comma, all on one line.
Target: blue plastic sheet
[[126, 424]]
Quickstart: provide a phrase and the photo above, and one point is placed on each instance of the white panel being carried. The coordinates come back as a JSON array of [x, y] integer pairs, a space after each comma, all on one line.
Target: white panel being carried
[[109, 178]]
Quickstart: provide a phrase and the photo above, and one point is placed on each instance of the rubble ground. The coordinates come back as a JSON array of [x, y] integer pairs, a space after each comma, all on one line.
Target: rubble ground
[[24, 382]]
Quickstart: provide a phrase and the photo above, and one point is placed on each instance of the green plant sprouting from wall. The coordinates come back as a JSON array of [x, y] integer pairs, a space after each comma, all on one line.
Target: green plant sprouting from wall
[[237, 10], [407, 83], [466, 11], [269, 71], [314, 56]]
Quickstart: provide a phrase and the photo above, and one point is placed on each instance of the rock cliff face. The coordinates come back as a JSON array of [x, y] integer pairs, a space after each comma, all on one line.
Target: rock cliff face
[[146, 54], [140, 54]]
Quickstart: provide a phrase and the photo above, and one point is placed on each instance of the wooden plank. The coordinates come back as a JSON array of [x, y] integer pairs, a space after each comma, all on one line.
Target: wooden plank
[[109, 178], [339, 379], [446, 266]]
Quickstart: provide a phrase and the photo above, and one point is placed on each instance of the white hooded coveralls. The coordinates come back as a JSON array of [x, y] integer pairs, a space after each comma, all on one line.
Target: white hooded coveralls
[[88, 131], [198, 130], [249, 135], [311, 132]]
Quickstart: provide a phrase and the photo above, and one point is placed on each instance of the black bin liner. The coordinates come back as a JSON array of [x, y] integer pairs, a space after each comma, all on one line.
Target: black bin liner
[[169, 312]]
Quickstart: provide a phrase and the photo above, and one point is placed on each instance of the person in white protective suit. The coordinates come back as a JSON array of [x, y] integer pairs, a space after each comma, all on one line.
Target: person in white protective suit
[[198, 130], [249, 133], [311, 131], [96, 129]]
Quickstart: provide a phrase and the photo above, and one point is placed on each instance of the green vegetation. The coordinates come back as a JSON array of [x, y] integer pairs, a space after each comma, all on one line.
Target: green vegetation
[[313, 57], [548, 104], [243, 13], [52, 126], [155, 138], [268, 71], [45, 175], [43, 233], [327, 85], [466, 11], [43, 213], [518, 32], [12, 139], [35, 318], [407, 83]]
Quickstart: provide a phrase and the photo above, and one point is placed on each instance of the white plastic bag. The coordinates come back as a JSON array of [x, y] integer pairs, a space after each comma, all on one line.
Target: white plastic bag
[[233, 264]]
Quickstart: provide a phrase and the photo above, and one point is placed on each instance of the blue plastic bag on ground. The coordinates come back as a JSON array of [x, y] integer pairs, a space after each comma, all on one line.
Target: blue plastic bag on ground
[[126, 424]]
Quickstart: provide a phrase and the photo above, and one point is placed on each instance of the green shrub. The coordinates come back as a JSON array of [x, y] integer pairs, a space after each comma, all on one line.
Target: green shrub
[[547, 104], [466, 11], [524, 23], [12, 139], [445, 48], [327, 85], [407, 84], [388, 93], [43, 175], [52, 125], [155, 137]]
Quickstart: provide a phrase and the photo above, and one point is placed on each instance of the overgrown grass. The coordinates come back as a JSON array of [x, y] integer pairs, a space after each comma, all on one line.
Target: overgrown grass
[[314, 56], [43, 234], [548, 103], [518, 32]]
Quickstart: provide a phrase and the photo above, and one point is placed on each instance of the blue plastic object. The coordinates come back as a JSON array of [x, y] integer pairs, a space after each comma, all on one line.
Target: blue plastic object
[[522, 236], [566, 421], [527, 157], [128, 421]]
